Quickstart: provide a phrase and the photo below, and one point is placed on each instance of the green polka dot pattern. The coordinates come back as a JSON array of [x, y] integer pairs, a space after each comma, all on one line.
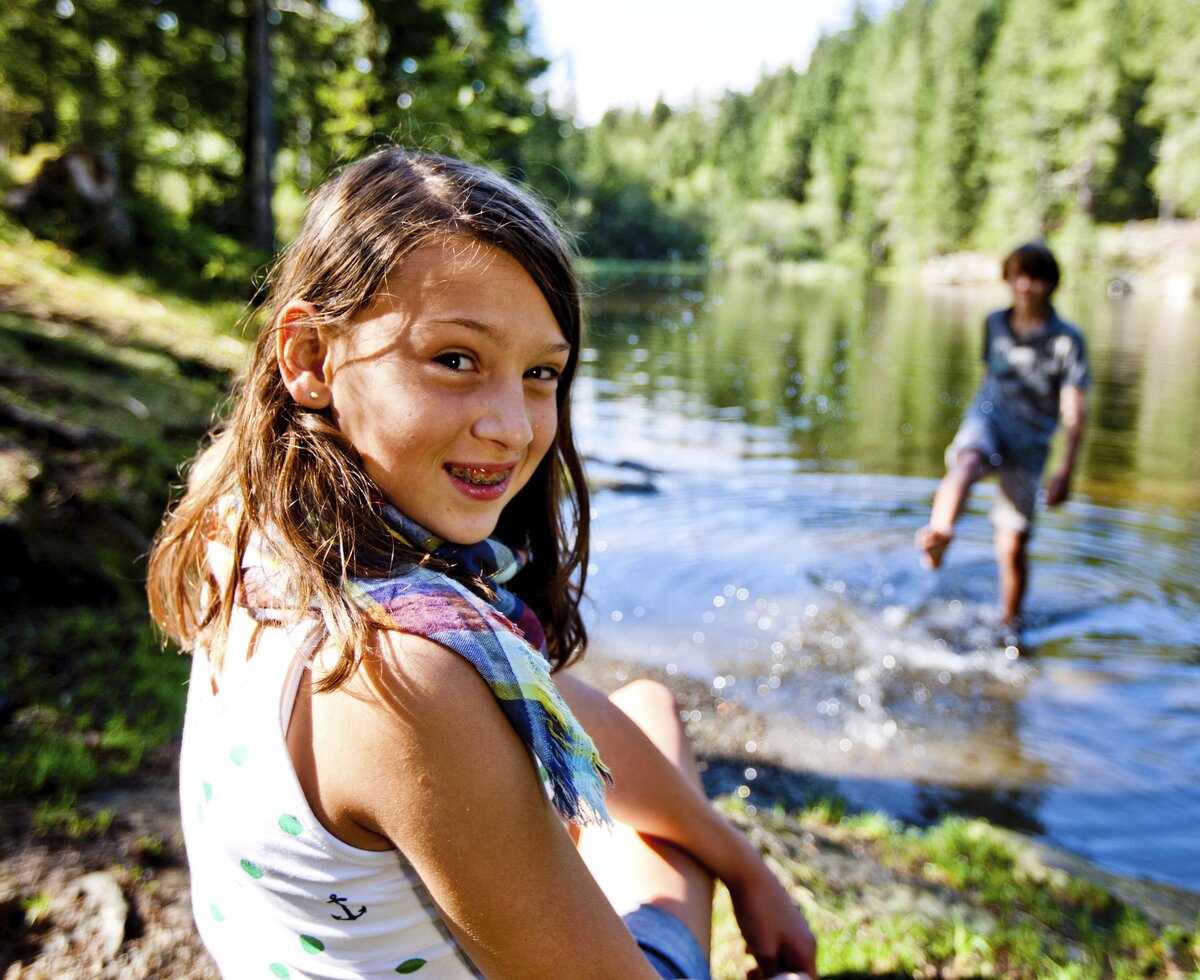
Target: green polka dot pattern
[[279, 970], [311, 944], [238, 754], [252, 869], [410, 966], [290, 825], [216, 913]]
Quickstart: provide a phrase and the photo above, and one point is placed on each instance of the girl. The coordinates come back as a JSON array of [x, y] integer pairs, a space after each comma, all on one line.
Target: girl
[[371, 703]]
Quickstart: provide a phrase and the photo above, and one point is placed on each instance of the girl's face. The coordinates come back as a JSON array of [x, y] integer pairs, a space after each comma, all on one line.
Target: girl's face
[[446, 385]]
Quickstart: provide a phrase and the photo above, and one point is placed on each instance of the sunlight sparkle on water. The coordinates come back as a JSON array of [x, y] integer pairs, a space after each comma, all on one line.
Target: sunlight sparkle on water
[[792, 529]]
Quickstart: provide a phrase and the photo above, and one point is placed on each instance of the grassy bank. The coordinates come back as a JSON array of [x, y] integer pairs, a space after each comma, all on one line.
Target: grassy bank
[[961, 899], [104, 390]]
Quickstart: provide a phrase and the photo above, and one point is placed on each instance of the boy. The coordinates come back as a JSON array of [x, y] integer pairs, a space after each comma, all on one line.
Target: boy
[[1036, 374]]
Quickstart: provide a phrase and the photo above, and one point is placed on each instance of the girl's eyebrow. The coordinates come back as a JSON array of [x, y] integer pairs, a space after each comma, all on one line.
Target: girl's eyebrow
[[493, 333]]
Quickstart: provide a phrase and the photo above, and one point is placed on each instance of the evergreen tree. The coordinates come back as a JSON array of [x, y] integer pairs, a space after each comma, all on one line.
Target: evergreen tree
[[886, 205], [1019, 126], [1087, 78], [1129, 193], [941, 125], [1171, 107], [951, 180]]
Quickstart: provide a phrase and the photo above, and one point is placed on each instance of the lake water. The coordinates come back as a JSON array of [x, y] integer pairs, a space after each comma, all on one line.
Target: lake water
[[778, 446]]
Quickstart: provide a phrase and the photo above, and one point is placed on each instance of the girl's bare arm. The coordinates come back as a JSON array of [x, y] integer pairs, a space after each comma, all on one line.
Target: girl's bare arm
[[422, 758], [652, 796]]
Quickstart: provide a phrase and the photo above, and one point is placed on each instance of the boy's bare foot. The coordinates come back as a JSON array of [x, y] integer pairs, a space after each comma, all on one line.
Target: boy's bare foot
[[1008, 632], [933, 544]]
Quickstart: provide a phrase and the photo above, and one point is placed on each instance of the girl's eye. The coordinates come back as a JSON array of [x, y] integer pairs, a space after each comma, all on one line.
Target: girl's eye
[[456, 361], [543, 373]]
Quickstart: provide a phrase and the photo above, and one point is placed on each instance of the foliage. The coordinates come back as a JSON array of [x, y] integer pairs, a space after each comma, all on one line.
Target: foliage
[[196, 261], [627, 202], [77, 726], [1170, 105], [163, 87], [36, 908], [62, 818], [940, 126]]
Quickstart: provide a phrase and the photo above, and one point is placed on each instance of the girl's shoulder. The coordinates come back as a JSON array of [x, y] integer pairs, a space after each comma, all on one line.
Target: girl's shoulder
[[380, 756], [414, 677]]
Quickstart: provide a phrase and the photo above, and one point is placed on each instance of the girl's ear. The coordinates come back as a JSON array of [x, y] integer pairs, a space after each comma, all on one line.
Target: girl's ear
[[301, 349]]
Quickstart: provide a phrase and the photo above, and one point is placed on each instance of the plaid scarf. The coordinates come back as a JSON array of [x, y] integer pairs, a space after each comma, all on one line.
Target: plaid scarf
[[501, 638]]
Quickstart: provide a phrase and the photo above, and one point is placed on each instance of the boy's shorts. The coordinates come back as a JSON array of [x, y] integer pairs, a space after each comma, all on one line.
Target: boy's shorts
[[669, 947], [1013, 509]]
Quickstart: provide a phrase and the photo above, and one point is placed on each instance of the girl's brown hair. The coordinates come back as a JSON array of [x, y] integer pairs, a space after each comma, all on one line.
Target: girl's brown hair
[[301, 483]]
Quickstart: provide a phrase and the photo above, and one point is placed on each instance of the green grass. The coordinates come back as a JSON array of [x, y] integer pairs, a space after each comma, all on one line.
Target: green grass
[[959, 899], [62, 818], [98, 693], [106, 391], [36, 908]]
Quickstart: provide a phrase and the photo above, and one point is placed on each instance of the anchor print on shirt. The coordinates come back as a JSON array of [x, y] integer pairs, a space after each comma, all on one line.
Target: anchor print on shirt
[[340, 902]]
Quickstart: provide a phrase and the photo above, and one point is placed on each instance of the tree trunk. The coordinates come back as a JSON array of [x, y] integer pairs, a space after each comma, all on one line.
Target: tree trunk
[[259, 137]]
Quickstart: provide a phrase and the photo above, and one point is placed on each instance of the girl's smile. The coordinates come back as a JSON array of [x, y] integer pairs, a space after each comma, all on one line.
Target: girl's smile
[[446, 385], [481, 480]]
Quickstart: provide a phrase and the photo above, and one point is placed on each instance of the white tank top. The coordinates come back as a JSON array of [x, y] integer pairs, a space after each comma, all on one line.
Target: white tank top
[[273, 892]]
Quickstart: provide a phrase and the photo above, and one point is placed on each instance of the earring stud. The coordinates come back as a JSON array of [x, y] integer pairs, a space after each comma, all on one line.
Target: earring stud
[[313, 395]]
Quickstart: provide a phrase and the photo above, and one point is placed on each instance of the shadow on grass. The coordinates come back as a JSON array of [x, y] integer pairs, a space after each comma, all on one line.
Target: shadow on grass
[[92, 434]]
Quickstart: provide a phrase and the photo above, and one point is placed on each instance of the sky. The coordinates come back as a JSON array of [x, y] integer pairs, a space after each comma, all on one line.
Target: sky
[[627, 53]]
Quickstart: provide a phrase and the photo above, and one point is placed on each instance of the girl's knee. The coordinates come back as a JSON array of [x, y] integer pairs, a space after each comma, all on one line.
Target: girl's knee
[[652, 707], [646, 699]]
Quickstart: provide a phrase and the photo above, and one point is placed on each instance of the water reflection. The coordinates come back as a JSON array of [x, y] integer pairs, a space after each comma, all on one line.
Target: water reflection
[[879, 377], [785, 441]]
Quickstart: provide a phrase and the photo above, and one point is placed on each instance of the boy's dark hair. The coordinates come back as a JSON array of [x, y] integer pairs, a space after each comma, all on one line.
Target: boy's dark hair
[[1035, 260]]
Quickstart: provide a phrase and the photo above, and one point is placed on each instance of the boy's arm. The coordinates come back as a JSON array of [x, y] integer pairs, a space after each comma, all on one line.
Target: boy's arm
[[1073, 412]]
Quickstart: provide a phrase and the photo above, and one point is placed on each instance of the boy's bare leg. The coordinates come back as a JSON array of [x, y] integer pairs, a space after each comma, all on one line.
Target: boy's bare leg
[[1014, 573], [933, 539]]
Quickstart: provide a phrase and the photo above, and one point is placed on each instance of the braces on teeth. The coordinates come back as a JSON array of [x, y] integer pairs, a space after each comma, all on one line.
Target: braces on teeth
[[478, 476]]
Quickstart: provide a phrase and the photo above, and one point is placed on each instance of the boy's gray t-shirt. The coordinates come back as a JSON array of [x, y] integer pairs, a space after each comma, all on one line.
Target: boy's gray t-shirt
[[1020, 392]]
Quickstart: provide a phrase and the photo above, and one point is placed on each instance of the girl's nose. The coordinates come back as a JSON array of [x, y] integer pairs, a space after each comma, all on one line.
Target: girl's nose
[[504, 416]]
